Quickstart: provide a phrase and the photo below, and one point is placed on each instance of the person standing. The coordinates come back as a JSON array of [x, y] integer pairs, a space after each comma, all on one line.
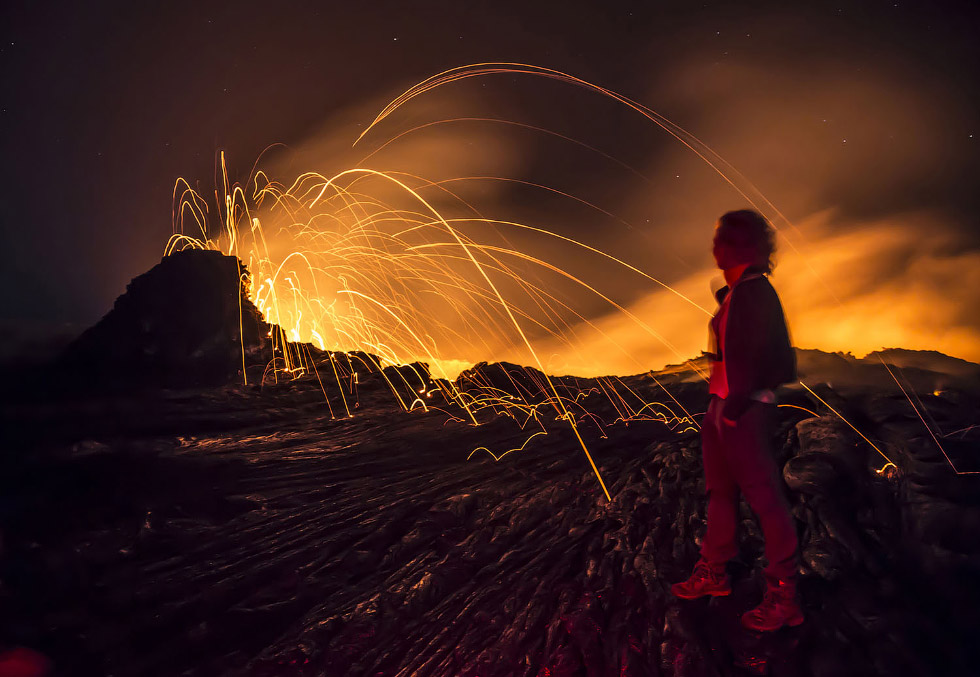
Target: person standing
[[751, 357]]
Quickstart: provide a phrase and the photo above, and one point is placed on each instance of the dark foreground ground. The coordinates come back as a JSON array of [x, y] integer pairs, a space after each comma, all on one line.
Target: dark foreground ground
[[243, 532]]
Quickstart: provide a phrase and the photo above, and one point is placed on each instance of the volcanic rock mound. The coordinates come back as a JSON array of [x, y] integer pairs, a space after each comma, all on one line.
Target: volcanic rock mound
[[180, 324]]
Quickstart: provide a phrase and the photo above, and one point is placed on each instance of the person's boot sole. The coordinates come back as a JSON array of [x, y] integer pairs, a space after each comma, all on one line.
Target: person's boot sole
[[789, 622], [710, 593]]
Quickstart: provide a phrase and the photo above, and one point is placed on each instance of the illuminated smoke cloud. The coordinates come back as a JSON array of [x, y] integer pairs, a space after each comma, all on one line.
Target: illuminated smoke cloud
[[858, 271]]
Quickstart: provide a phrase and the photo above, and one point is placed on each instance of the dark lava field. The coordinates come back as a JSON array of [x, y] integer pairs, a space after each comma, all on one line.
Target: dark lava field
[[157, 521], [241, 530]]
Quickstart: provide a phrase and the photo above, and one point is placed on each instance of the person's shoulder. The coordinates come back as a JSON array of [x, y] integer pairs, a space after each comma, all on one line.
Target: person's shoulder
[[761, 281], [759, 288], [755, 283]]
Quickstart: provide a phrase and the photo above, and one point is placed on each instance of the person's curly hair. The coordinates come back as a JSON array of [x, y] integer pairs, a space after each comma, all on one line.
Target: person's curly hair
[[750, 231]]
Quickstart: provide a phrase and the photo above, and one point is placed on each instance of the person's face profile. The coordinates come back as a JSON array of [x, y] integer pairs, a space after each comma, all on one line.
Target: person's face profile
[[723, 250]]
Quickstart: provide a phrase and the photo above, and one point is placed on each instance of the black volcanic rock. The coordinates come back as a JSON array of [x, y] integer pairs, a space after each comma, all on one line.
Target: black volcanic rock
[[921, 370], [180, 324], [189, 322], [926, 360], [505, 378]]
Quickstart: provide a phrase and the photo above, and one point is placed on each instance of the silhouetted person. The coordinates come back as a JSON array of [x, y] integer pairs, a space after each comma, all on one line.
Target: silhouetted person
[[751, 357]]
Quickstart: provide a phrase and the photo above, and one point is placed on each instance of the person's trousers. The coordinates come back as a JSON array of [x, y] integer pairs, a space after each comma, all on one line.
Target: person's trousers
[[739, 459]]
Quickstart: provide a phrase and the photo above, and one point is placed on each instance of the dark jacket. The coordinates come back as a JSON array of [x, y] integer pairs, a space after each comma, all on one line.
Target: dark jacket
[[757, 350]]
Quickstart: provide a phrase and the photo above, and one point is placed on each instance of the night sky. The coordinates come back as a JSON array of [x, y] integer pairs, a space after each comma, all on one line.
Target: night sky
[[846, 115]]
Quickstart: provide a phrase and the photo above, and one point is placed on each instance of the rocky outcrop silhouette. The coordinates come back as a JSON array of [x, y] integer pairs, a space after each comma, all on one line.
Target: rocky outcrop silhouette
[[186, 322]]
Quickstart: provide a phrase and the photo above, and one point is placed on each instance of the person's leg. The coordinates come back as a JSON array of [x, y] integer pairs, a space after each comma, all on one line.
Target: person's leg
[[709, 576], [719, 544], [761, 483]]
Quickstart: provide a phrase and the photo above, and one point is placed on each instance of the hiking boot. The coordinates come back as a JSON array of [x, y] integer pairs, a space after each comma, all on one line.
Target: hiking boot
[[707, 579], [779, 607]]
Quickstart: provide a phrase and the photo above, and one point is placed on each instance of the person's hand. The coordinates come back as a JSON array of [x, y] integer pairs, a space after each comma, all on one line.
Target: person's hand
[[732, 410], [719, 420]]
